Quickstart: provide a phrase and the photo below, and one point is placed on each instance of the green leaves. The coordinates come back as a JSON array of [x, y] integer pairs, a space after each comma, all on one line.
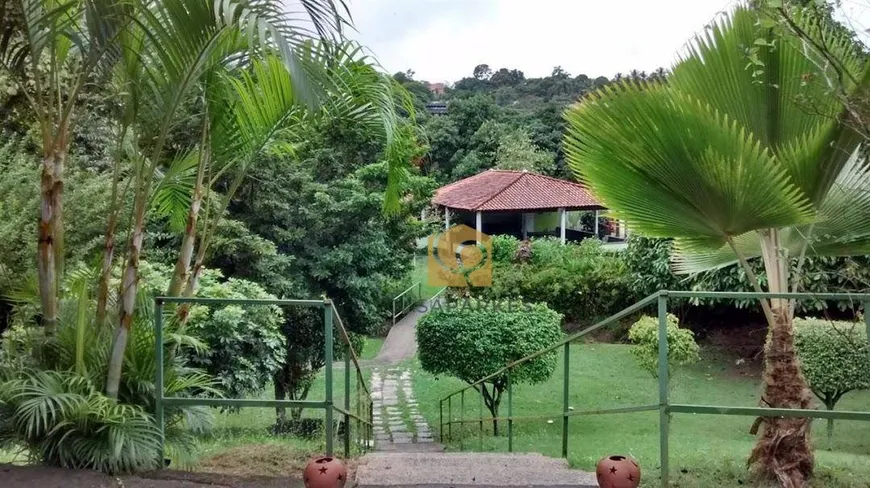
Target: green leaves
[[834, 357], [644, 334], [64, 420], [473, 339]]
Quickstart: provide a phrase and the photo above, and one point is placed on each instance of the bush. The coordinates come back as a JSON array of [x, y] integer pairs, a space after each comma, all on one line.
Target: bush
[[244, 344], [471, 339], [583, 282], [504, 247], [648, 261], [644, 334], [63, 419], [834, 358], [51, 400]]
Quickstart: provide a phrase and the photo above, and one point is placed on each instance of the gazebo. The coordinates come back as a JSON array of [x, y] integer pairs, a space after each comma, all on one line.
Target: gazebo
[[518, 203]]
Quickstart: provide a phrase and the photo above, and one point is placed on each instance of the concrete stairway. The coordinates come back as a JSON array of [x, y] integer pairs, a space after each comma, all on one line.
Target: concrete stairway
[[466, 470]]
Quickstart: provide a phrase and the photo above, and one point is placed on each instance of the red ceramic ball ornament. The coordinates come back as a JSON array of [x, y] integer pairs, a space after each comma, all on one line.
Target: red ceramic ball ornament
[[618, 472], [324, 472]]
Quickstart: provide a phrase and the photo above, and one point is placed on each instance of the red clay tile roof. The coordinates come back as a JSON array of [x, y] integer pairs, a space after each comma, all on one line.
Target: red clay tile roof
[[502, 191]]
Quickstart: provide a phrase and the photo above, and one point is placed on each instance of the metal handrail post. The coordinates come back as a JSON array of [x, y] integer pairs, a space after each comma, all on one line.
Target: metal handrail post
[[159, 416], [480, 416], [565, 401], [327, 358], [441, 420], [347, 401], [663, 373], [510, 392], [450, 418], [461, 420]]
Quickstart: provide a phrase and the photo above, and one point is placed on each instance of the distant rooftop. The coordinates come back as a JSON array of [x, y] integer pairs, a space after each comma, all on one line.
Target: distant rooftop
[[437, 108], [510, 191]]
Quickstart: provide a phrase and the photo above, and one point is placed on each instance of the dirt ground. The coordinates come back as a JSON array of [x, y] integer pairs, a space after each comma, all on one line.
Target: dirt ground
[[44, 477]]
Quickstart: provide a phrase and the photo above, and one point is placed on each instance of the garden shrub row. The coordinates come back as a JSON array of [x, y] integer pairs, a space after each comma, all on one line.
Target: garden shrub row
[[586, 281], [583, 282]]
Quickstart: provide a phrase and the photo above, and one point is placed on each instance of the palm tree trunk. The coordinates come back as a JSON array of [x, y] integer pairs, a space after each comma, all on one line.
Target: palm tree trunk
[[116, 204], [185, 255], [129, 289], [106, 268], [49, 247], [782, 451]]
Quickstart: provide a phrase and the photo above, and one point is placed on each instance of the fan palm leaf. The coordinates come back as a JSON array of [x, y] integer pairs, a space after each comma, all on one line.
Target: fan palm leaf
[[743, 153]]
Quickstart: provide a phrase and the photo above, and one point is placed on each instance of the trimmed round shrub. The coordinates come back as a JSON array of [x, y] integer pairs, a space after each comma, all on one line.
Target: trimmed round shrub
[[834, 358], [682, 348], [471, 339]]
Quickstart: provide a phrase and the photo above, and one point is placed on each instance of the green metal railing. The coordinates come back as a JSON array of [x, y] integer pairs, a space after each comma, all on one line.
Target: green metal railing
[[361, 413], [407, 300], [664, 407]]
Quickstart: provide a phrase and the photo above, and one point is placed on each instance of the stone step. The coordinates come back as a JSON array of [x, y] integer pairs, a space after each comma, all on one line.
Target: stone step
[[464, 469]]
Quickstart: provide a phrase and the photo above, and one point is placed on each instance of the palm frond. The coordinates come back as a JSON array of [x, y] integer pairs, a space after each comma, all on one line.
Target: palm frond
[[842, 226], [174, 192], [781, 102], [674, 167]]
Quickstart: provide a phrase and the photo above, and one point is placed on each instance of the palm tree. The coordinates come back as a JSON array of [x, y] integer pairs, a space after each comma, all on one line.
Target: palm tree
[[254, 70], [52, 50], [736, 163]]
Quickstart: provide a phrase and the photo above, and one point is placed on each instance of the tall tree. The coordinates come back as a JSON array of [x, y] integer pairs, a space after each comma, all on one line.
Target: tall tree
[[731, 163]]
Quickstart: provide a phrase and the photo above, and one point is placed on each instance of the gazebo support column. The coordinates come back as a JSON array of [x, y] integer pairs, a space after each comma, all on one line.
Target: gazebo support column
[[446, 218], [479, 226], [596, 224], [563, 222]]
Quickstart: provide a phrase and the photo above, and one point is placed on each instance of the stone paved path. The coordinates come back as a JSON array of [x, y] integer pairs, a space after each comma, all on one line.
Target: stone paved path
[[408, 455], [398, 423]]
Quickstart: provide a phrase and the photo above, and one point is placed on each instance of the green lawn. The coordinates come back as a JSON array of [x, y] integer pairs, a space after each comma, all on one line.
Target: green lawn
[[706, 451], [420, 274], [238, 434], [371, 347]]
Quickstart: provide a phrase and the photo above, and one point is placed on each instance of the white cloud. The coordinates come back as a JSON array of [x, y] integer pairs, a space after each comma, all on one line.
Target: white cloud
[[442, 40]]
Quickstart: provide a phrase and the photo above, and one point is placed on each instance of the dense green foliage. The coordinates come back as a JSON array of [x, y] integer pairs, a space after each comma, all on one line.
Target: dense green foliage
[[130, 134], [86, 202], [682, 348], [582, 281], [503, 120], [649, 263], [471, 339], [52, 401], [243, 345]]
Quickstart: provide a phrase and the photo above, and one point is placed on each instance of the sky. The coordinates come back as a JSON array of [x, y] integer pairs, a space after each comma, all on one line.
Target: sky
[[443, 40]]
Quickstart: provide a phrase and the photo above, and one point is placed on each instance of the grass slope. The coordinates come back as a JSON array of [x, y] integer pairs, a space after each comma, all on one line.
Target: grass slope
[[705, 450]]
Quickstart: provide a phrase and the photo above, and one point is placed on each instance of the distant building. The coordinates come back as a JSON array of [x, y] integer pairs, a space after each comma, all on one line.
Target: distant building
[[436, 88], [437, 108], [524, 205]]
